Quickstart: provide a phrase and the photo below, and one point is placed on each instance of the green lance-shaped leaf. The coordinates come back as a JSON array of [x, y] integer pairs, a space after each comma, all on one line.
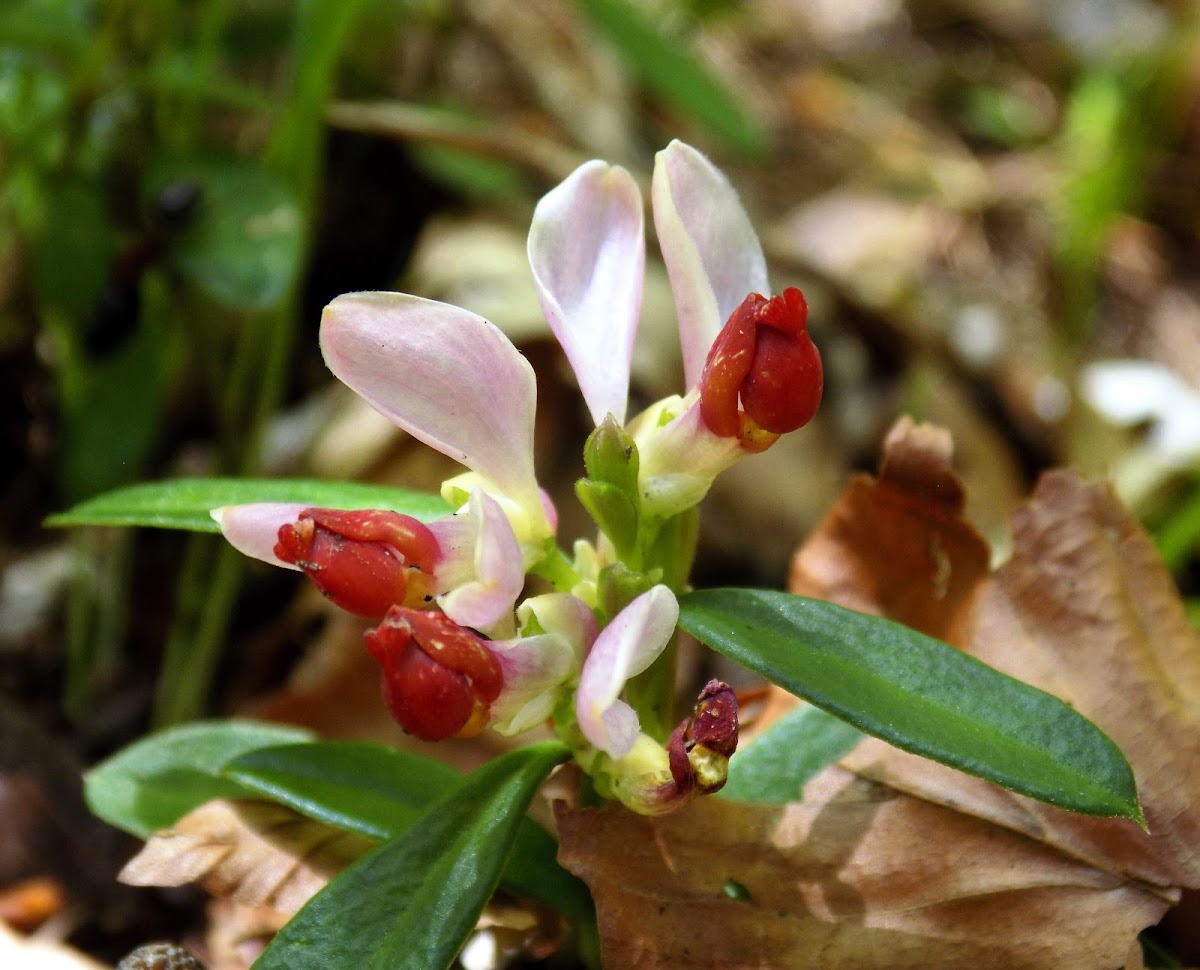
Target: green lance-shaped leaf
[[919, 694], [380, 792], [156, 781], [185, 503], [411, 903]]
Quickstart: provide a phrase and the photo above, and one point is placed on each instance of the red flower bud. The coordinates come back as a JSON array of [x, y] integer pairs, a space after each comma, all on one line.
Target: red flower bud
[[364, 561], [439, 679], [764, 359], [700, 748]]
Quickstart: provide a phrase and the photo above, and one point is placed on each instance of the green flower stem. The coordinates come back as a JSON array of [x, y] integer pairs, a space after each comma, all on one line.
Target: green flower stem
[[205, 594], [96, 612], [209, 581], [652, 694]]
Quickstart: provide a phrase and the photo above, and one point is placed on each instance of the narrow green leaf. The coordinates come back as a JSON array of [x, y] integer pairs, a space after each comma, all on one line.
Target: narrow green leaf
[[411, 903], [184, 503], [380, 792], [676, 74], [774, 767], [919, 694], [371, 789], [156, 781]]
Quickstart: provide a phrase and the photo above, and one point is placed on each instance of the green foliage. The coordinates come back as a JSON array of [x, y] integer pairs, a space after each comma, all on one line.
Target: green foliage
[[919, 694], [413, 901], [774, 767], [185, 503], [380, 792], [159, 779], [243, 245]]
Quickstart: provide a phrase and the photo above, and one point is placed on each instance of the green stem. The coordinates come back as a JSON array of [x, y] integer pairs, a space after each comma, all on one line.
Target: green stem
[[79, 652], [207, 593]]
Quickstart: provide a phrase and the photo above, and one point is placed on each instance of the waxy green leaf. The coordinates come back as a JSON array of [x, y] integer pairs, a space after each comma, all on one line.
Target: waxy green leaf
[[919, 694], [380, 792], [774, 767], [156, 781], [411, 903], [184, 503]]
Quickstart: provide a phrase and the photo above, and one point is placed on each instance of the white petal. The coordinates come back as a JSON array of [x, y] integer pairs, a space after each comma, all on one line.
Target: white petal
[[445, 375], [254, 529], [588, 253], [712, 253], [626, 647]]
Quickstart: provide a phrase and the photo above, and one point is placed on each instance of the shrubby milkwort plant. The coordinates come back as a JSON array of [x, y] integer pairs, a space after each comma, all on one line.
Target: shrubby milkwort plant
[[453, 661], [461, 652]]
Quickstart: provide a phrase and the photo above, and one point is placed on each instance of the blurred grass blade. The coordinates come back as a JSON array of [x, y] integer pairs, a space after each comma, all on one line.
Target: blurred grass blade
[[676, 74]]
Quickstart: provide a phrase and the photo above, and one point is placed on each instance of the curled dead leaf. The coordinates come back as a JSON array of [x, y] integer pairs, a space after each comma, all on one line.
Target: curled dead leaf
[[894, 861], [255, 852]]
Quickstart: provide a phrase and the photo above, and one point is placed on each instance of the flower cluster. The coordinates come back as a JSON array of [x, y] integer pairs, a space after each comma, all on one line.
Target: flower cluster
[[458, 653]]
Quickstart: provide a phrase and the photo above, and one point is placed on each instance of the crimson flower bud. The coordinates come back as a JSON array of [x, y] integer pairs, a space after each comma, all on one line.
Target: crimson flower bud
[[439, 679], [364, 561], [763, 358], [700, 748]]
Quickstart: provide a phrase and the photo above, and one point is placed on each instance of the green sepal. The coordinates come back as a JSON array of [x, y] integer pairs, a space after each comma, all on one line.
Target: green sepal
[[610, 491], [618, 586], [610, 455], [614, 514]]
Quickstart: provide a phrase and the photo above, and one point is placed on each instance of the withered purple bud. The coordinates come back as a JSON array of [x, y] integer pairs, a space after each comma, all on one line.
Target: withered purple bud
[[700, 748]]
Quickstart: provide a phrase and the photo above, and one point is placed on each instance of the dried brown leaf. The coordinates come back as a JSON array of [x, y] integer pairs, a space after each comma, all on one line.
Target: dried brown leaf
[[891, 860], [254, 852]]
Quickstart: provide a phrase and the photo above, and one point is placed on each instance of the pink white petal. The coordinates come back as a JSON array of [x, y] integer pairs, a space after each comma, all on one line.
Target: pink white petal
[[445, 375], [538, 667], [712, 253], [253, 529], [498, 577], [587, 249], [627, 646]]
